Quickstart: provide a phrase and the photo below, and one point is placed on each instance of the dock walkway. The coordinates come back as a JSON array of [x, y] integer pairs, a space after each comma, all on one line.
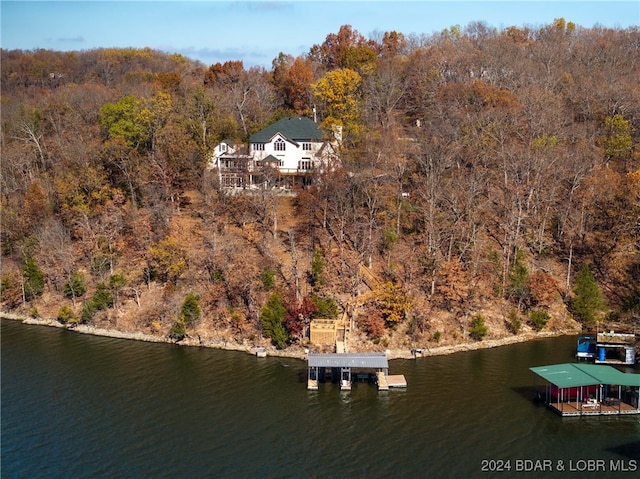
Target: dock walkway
[[383, 385]]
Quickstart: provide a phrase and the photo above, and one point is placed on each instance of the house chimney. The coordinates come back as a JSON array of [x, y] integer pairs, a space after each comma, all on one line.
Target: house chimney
[[315, 119]]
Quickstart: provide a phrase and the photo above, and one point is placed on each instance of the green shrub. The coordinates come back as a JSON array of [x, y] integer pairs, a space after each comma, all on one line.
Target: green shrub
[[317, 268], [33, 280], [88, 310], [117, 281], [514, 323], [325, 307], [268, 279], [436, 336], [177, 332], [216, 275], [102, 298], [539, 319], [190, 312], [518, 276], [390, 237], [66, 315], [477, 329], [75, 287]]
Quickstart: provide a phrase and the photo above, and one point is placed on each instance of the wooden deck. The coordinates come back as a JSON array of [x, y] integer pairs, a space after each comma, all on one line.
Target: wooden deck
[[383, 385], [396, 381], [586, 409]]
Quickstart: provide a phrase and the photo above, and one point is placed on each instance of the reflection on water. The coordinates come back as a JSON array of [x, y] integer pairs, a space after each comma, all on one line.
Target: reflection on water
[[80, 406]]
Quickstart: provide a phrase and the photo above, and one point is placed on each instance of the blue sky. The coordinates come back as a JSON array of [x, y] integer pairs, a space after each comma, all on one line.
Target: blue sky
[[256, 31]]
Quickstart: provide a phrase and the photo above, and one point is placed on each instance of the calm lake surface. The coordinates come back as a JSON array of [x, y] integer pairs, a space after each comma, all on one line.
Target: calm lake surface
[[77, 406]]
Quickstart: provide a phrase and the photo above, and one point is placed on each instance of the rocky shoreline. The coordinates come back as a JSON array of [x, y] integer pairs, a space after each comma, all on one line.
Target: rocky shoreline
[[295, 352]]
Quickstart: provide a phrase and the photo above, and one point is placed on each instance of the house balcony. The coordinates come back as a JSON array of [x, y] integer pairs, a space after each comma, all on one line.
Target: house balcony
[[295, 171]]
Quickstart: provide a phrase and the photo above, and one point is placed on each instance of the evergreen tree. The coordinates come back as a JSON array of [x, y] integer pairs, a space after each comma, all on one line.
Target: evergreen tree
[[272, 320], [190, 312], [518, 278], [317, 268], [102, 298], [477, 329], [75, 287], [268, 279], [33, 280], [539, 319], [587, 303]]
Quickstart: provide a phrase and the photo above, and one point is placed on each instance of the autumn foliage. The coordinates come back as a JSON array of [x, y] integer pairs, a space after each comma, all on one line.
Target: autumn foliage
[[480, 171]]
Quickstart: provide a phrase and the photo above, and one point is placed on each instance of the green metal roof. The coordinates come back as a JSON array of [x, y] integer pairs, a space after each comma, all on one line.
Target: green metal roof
[[574, 374], [293, 128]]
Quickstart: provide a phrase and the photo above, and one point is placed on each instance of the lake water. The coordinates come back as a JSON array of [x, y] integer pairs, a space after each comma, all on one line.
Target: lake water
[[77, 406]]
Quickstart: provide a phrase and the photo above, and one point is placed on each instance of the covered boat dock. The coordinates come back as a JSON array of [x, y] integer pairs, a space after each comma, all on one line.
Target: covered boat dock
[[344, 365], [577, 389], [607, 348]]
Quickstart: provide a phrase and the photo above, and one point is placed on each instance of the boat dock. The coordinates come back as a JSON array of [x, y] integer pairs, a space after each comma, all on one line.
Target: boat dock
[[345, 368], [578, 389], [607, 348]]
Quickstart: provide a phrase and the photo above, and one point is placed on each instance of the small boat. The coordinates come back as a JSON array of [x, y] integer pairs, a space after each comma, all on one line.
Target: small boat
[[586, 347]]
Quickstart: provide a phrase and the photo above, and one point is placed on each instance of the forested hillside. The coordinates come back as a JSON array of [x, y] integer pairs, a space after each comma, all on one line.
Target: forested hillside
[[489, 185]]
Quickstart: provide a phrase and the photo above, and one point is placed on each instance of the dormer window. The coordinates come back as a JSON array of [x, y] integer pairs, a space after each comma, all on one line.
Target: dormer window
[[223, 147], [279, 145]]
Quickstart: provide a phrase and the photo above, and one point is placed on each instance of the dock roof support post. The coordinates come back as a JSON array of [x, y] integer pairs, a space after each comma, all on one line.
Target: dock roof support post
[[547, 393], [560, 392], [619, 399], [579, 397]]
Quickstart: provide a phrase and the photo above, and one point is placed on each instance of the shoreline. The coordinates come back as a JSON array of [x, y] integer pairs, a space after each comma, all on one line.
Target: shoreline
[[294, 353]]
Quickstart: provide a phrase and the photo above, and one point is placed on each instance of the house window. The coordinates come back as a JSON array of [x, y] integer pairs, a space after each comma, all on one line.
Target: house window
[[232, 181], [258, 146], [279, 145], [223, 147], [306, 146], [304, 164]]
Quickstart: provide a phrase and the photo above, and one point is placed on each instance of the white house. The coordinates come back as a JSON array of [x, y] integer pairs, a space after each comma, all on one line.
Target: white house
[[284, 154], [234, 165]]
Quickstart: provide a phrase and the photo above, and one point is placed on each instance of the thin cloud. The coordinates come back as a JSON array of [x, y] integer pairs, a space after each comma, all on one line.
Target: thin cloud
[[76, 39], [270, 6], [249, 55]]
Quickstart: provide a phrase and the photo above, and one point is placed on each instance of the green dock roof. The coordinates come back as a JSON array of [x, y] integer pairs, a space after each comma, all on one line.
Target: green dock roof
[[574, 374]]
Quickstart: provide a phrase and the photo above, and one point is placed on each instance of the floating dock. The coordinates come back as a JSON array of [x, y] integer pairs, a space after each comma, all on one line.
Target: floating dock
[[396, 381]]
